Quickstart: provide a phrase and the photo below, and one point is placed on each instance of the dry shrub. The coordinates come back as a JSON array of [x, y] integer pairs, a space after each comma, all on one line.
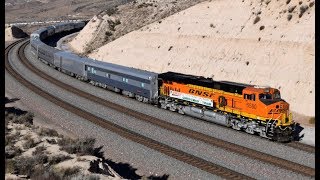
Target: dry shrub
[[117, 22], [211, 25], [9, 165], [81, 159], [12, 151], [111, 11], [108, 33], [41, 158], [312, 120], [30, 142], [86, 177], [78, 146], [288, 1], [290, 9], [24, 165], [39, 150], [58, 158], [261, 28], [303, 9], [289, 17], [112, 25], [257, 19], [267, 2], [44, 173], [311, 4], [144, 5], [48, 132], [51, 141], [26, 119], [9, 116], [12, 138], [66, 173]]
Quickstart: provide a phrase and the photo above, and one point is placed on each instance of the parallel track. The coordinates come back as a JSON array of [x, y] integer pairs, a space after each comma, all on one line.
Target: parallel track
[[135, 137], [282, 163], [301, 146]]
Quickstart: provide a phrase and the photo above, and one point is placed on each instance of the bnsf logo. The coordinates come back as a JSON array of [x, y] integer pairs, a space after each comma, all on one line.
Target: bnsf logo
[[201, 93]]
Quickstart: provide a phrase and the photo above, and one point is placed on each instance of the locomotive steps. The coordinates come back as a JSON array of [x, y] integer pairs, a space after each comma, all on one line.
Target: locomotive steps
[[195, 135]]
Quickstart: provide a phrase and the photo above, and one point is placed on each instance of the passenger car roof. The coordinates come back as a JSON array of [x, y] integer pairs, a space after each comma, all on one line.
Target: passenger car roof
[[121, 69]]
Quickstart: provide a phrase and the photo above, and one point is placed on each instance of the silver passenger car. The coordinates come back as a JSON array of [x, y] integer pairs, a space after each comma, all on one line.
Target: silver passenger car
[[69, 62], [143, 85]]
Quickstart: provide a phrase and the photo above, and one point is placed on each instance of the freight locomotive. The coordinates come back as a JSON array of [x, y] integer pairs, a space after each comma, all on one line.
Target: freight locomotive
[[253, 109]]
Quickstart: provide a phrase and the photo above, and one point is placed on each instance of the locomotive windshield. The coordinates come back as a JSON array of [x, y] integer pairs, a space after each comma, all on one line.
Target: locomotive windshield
[[268, 98], [277, 95], [265, 96]]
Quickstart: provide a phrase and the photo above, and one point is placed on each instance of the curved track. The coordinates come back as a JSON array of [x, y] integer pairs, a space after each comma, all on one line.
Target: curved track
[[172, 152], [192, 134], [177, 129]]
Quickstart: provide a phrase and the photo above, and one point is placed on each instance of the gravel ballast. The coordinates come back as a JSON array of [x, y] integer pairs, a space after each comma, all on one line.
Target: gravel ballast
[[146, 161], [230, 135], [229, 159]]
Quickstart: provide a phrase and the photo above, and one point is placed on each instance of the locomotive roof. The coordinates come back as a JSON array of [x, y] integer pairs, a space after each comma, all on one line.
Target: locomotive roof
[[228, 86]]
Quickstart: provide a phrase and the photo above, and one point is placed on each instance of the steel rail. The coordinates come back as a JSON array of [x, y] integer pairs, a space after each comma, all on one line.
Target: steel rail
[[266, 158], [128, 134]]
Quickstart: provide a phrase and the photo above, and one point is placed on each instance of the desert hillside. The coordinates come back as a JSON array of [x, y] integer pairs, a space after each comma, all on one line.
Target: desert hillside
[[103, 29], [33, 152], [257, 42]]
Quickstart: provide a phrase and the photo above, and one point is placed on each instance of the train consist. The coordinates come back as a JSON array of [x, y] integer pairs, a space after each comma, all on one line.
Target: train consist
[[253, 109]]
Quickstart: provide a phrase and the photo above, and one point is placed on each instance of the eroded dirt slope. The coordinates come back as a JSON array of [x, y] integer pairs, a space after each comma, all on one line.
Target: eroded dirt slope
[[258, 42]]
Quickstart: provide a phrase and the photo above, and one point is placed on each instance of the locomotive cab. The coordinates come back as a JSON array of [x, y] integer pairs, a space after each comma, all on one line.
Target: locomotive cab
[[268, 104]]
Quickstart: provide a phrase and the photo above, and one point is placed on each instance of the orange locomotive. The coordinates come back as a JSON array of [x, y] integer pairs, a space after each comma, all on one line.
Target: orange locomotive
[[246, 107]]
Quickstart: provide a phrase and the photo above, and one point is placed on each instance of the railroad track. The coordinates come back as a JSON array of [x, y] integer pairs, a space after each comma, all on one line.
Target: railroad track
[[266, 158], [303, 147], [133, 136]]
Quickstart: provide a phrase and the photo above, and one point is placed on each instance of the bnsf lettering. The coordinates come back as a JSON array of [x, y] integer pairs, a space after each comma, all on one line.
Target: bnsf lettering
[[201, 93]]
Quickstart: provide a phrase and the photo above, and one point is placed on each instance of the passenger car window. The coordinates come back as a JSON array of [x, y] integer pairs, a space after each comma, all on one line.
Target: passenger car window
[[142, 84]]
